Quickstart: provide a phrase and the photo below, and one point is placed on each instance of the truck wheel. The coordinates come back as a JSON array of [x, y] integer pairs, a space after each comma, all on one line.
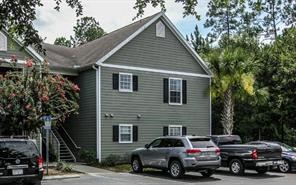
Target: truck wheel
[[137, 165], [176, 169], [207, 173], [262, 170], [236, 167], [286, 167]]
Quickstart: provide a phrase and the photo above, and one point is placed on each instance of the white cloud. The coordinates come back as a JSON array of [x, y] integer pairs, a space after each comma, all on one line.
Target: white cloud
[[112, 14]]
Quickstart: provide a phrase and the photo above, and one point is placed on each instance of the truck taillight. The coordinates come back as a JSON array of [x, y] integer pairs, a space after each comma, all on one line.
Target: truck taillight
[[40, 162], [218, 151], [193, 151], [254, 154]]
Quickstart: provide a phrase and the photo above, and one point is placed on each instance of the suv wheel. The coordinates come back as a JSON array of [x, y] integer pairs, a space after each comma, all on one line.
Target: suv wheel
[[262, 170], [236, 167], [284, 168], [176, 169], [137, 165], [207, 173]]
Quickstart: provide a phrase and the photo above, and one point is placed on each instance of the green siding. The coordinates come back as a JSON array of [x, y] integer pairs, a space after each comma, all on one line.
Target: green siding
[[14, 49], [149, 51], [82, 127], [148, 102]]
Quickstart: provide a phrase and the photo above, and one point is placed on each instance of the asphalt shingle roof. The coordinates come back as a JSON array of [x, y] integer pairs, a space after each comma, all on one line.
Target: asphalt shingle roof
[[91, 52]]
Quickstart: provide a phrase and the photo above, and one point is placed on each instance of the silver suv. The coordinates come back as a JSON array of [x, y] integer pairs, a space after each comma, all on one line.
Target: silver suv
[[178, 154]]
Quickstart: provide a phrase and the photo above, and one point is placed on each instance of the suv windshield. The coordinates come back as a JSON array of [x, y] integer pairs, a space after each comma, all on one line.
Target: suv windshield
[[287, 148], [202, 143], [20, 149]]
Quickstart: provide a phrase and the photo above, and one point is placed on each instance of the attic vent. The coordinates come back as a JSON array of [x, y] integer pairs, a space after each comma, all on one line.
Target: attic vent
[[160, 29], [3, 42]]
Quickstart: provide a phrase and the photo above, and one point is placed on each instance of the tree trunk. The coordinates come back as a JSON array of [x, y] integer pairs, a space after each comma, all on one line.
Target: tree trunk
[[227, 112]]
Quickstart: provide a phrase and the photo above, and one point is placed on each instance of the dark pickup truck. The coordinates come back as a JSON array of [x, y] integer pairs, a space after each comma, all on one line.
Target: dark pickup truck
[[238, 156]]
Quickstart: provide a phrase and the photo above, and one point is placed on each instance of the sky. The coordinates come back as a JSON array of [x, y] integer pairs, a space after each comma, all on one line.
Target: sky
[[111, 14]]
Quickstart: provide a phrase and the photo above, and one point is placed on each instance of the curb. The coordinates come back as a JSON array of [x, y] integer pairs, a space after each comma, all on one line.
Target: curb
[[58, 177]]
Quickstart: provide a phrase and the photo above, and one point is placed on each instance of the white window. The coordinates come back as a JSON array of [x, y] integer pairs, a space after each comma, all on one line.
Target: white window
[[160, 29], [3, 42], [175, 130], [125, 133], [125, 82], [175, 88]]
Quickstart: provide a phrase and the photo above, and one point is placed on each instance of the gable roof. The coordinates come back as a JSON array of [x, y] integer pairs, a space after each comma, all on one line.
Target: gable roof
[[97, 51]]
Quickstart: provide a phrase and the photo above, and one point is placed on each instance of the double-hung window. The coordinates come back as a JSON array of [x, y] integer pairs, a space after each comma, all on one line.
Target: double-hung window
[[175, 130], [125, 133], [3, 42], [175, 91], [125, 82]]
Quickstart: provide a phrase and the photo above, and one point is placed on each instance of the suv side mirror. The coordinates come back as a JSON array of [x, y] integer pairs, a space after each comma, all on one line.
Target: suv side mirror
[[147, 146]]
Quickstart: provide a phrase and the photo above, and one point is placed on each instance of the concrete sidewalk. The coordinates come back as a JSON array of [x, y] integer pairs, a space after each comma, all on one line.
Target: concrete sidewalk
[[82, 168]]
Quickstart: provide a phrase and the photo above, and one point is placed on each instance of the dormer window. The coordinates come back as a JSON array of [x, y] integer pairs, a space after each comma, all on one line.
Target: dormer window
[[3, 42], [160, 30]]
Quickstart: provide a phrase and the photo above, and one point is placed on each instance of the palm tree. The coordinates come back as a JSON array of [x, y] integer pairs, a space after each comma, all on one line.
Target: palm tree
[[232, 79]]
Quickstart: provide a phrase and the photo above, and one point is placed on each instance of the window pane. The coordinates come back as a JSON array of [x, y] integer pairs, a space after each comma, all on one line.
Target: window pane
[[175, 131], [125, 81], [125, 133], [175, 91]]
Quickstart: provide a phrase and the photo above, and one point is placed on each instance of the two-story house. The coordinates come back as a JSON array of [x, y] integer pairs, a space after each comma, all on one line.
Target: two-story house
[[137, 83]]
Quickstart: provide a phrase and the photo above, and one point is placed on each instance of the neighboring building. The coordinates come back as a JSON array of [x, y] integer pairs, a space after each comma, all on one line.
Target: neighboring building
[[137, 83]]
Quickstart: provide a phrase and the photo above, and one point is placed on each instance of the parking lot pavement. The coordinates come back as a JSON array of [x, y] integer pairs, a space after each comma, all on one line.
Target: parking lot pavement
[[222, 177]]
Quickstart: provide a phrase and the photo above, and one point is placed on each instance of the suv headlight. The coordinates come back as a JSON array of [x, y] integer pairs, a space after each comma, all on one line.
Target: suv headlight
[[293, 158]]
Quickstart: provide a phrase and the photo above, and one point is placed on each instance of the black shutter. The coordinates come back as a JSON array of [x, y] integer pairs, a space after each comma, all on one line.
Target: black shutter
[[135, 133], [165, 131], [184, 131], [115, 81], [165, 90], [115, 133], [135, 83], [184, 92]]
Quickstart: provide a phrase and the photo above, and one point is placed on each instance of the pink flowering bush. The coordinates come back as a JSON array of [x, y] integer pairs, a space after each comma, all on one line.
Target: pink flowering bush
[[27, 95]]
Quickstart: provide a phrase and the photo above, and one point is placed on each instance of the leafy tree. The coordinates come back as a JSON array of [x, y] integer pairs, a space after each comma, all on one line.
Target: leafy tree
[[223, 17], [200, 44], [188, 6], [277, 73], [86, 30], [62, 41], [18, 15], [27, 96], [233, 78]]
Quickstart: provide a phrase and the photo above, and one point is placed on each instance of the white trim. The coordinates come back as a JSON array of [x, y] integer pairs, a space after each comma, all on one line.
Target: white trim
[[181, 92], [155, 70], [187, 46], [114, 50], [131, 85], [210, 84], [98, 114], [5, 48], [176, 33], [119, 134], [176, 126], [35, 53]]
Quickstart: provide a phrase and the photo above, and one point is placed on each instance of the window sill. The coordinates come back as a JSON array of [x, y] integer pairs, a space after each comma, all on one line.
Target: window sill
[[125, 91], [125, 142], [175, 104]]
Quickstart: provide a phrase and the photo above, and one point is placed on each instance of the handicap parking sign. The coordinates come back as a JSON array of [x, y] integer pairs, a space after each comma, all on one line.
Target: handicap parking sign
[[47, 122]]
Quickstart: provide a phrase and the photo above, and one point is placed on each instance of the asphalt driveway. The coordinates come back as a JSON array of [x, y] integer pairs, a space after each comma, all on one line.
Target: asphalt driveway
[[222, 177]]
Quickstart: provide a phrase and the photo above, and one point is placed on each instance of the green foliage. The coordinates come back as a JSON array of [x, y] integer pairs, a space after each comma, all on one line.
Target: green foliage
[[64, 167], [113, 160], [18, 16], [62, 41], [88, 156], [87, 29], [200, 45], [188, 6], [26, 96]]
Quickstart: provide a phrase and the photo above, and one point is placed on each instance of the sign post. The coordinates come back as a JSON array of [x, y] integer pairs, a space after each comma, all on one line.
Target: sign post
[[47, 127]]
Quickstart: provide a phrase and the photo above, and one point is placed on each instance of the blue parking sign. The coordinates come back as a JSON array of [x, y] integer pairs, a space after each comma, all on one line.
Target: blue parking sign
[[47, 122]]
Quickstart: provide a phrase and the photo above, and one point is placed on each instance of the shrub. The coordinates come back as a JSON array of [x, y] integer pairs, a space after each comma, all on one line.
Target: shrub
[[88, 156], [113, 160], [64, 167]]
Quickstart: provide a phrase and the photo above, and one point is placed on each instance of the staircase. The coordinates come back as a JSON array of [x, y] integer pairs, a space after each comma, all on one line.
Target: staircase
[[65, 153]]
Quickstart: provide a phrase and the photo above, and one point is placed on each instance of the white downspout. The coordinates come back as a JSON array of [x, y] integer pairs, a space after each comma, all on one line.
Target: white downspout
[[210, 106], [98, 112]]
